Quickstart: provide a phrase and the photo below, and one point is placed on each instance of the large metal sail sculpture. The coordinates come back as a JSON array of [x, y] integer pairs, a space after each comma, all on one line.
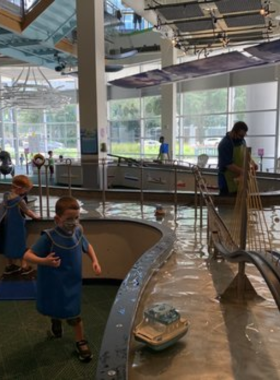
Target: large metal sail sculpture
[[32, 91], [245, 239]]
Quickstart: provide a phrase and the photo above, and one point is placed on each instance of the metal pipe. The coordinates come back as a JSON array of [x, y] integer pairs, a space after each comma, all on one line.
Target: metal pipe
[[103, 182], [175, 186], [195, 196], [141, 183], [68, 162], [47, 188], [201, 209], [40, 191]]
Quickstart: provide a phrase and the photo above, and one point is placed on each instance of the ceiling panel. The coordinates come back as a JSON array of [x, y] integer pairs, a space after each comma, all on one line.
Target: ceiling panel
[[244, 20], [232, 6], [181, 12], [195, 26]]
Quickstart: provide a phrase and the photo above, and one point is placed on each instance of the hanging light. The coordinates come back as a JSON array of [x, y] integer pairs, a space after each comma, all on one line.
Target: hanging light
[[27, 92]]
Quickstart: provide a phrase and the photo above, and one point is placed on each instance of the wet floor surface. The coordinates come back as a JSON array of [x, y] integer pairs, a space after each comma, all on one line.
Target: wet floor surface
[[226, 340]]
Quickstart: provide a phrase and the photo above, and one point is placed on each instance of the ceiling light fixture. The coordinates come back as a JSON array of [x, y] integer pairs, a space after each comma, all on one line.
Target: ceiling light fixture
[[32, 93]]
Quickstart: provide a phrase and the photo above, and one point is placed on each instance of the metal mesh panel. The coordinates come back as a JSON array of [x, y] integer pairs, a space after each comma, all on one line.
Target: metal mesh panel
[[181, 12], [232, 6], [195, 26], [246, 20]]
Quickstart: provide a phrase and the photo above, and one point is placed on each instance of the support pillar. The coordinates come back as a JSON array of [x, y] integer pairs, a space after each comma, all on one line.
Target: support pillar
[[92, 90], [168, 98]]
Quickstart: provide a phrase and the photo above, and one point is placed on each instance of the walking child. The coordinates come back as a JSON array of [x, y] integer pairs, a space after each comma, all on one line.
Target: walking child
[[12, 217], [21, 159], [163, 150], [58, 253], [51, 163]]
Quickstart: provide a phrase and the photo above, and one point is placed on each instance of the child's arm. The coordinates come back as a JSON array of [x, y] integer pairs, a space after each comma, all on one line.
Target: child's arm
[[26, 211], [95, 264], [50, 260], [32, 214]]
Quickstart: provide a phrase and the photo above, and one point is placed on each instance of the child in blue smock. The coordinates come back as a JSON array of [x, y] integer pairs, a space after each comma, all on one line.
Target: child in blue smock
[[13, 233], [163, 150], [58, 253]]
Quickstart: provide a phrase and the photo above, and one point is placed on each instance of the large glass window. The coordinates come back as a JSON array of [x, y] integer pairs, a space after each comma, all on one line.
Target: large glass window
[[202, 121], [203, 118], [124, 130], [254, 97], [40, 130], [256, 104]]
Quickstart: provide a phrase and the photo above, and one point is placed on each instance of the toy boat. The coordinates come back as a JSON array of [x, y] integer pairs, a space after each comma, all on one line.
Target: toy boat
[[161, 327], [159, 210]]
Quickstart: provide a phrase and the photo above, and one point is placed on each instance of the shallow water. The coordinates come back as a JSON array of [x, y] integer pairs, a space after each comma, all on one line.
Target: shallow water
[[226, 340]]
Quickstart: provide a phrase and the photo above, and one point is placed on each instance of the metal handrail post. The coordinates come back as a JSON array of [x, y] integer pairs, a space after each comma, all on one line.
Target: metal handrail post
[[141, 183], [39, 161], [201, 209], [47, 189], [103, 182], [69, 163], [175, 186], [195, 196], [40, 191]]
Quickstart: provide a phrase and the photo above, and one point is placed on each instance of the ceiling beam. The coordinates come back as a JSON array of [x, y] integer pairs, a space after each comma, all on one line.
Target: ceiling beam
[[35, 12], [10, 21]]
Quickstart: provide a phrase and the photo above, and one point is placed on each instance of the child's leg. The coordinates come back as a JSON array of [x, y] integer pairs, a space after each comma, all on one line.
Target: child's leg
[[82, 347], [25, 268], [10, 261], [11, 266], [78, 326]]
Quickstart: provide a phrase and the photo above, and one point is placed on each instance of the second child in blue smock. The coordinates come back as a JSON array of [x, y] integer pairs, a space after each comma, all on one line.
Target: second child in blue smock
[[13, 232]]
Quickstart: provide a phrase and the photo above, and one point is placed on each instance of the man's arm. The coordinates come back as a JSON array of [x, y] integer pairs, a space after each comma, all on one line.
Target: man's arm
[[235, 169]]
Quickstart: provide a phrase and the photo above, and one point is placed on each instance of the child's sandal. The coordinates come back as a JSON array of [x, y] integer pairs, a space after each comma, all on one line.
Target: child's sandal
[[84, 352]]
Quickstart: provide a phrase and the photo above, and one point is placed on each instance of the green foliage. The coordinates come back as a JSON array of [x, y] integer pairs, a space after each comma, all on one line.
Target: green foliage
[[123, 149], [126, 149], [67, 114], [239, 100], [152, 106], [125, 109], [30, 116], [203, 102]]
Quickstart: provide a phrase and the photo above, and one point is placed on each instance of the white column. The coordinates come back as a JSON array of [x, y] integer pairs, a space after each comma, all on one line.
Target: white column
[[92, 88], [168, 98]]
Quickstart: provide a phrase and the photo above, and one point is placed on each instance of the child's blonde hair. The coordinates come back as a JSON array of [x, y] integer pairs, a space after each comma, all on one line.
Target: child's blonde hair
[[21, 181], [66, 203]]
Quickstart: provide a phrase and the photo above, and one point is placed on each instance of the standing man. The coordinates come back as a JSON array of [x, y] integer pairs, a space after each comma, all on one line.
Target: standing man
[[231, 152]]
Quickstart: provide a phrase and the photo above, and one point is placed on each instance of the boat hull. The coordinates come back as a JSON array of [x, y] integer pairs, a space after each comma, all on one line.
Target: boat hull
[[157, 345]]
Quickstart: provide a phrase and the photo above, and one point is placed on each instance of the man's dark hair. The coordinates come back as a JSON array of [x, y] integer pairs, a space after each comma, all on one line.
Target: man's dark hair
[[240, 126]]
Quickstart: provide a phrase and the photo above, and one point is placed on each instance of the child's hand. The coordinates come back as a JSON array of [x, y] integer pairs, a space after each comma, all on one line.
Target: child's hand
[[96, 267], [52, 260]]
